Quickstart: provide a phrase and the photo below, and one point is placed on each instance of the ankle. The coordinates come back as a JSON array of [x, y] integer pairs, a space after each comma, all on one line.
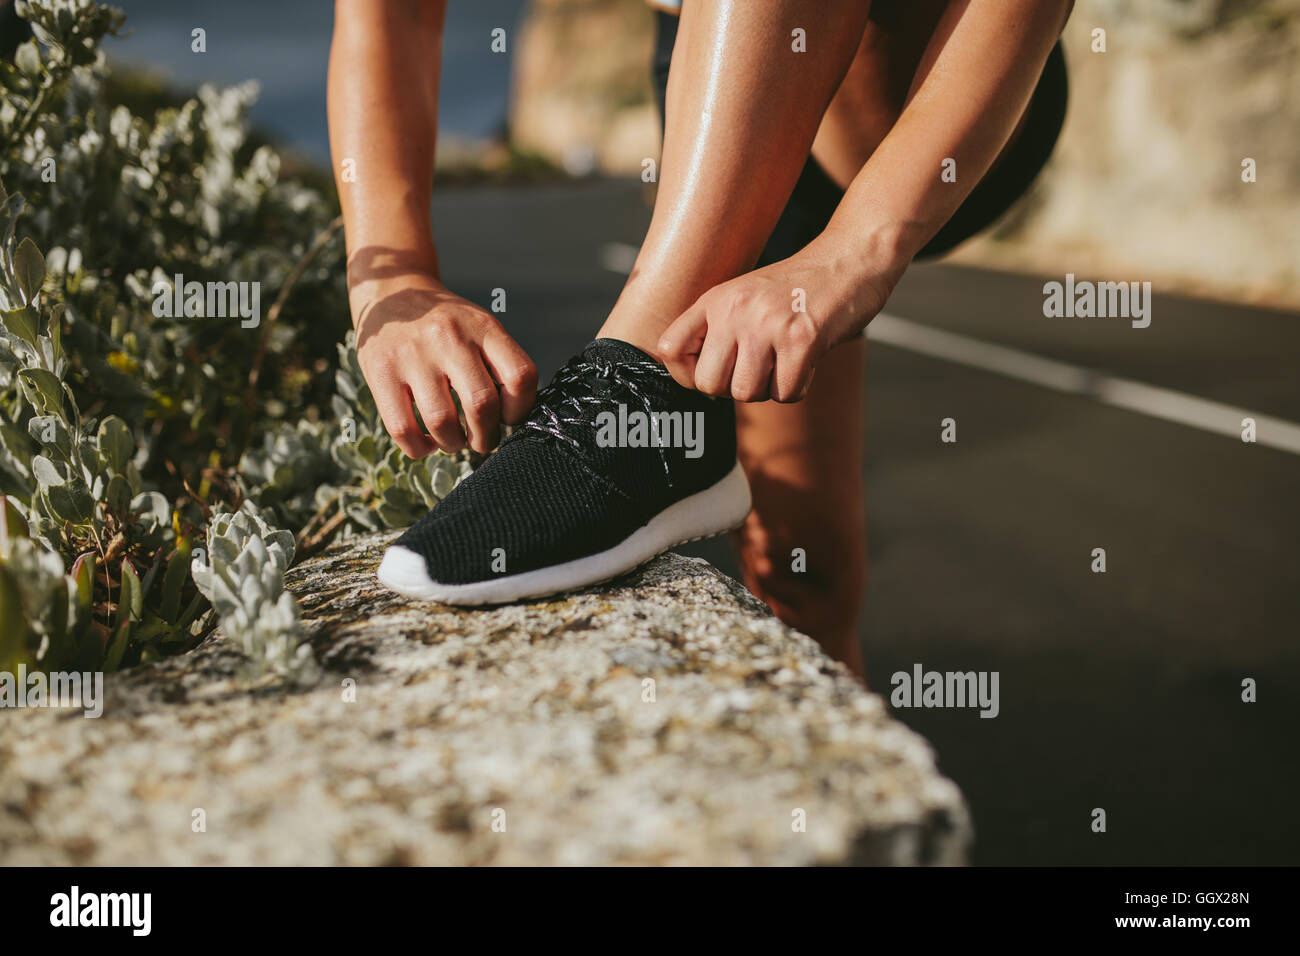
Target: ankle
[[648, 305], [633, 332]]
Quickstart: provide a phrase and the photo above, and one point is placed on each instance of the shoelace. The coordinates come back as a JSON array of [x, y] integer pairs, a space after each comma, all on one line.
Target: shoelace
[[549, 418]]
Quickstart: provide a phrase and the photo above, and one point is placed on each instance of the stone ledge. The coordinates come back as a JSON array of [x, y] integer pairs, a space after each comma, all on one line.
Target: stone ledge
[[535, 709]]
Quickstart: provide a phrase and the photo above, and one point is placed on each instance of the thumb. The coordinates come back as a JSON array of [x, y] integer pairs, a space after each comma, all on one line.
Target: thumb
[[679, 346]]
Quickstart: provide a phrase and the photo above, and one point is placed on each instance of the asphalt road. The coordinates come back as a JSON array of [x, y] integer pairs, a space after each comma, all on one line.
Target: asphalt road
[[1119, 691]]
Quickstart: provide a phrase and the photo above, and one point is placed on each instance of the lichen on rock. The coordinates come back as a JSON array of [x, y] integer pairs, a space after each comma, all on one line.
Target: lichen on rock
[[664, 718]]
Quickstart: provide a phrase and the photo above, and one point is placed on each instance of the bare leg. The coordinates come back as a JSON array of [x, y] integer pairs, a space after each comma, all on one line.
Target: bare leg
[[742, 110], [804, 460], [804, 463], [876, 86]]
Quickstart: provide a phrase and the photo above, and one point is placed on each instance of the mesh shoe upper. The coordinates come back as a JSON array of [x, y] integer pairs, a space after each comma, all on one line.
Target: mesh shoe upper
[[568, 483]]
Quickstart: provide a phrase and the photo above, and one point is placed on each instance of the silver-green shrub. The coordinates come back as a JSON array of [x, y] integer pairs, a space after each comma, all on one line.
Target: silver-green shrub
[[242, 574], [128, 438]]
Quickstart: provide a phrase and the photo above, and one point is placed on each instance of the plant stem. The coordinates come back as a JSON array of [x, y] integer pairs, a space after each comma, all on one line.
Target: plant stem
[[273, 313], [313, 543], [17, 134]]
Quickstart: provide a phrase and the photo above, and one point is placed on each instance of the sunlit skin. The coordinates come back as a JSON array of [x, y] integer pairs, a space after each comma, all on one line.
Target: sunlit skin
[[881, 101], [929, 80], [416, 340], [741, 118]]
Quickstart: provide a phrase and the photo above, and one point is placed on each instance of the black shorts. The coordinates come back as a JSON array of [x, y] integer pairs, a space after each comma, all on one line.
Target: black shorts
[[816, 195]]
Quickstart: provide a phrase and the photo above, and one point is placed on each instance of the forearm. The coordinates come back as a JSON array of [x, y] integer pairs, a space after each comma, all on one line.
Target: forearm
[[974, 83], [382, 103]]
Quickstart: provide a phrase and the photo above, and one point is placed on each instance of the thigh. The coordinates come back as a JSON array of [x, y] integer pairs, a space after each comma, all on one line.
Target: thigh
[[872, 94], [869, 102], [864, 108]]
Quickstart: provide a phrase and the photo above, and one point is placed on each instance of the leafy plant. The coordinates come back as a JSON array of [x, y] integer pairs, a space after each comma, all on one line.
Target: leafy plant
[[85, 496], [242, 574], [128, 434]]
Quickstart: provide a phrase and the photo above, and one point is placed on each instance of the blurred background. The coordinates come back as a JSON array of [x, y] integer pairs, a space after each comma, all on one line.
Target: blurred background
[[1119, 690], [1185, 90]]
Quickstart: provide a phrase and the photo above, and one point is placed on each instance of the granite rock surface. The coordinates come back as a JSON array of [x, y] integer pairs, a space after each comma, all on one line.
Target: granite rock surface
[[663, 718]]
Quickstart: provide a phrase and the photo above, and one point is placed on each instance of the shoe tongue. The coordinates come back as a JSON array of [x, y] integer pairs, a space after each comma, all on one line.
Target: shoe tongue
[[616, 350]]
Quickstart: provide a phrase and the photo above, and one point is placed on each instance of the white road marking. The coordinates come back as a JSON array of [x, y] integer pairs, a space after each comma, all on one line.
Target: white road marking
[[1163, 403]]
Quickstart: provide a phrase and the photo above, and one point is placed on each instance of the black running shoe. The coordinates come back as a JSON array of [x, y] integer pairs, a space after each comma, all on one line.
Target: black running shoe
[[615, 464]]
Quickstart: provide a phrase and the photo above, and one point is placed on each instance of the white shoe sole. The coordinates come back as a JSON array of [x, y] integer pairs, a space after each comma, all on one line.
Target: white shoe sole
[[704, 514]]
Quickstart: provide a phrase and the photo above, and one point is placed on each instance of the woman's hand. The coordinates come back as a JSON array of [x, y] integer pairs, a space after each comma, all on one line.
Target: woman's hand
[[758, 336], [417, 343]]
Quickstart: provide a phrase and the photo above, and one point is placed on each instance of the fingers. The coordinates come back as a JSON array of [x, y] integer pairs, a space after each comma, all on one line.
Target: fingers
[[433, 399], [791, 377], [750, 382], [713, 370], [428, 347], [479, 400], [516, 373], [393, 400], [679, 346]]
